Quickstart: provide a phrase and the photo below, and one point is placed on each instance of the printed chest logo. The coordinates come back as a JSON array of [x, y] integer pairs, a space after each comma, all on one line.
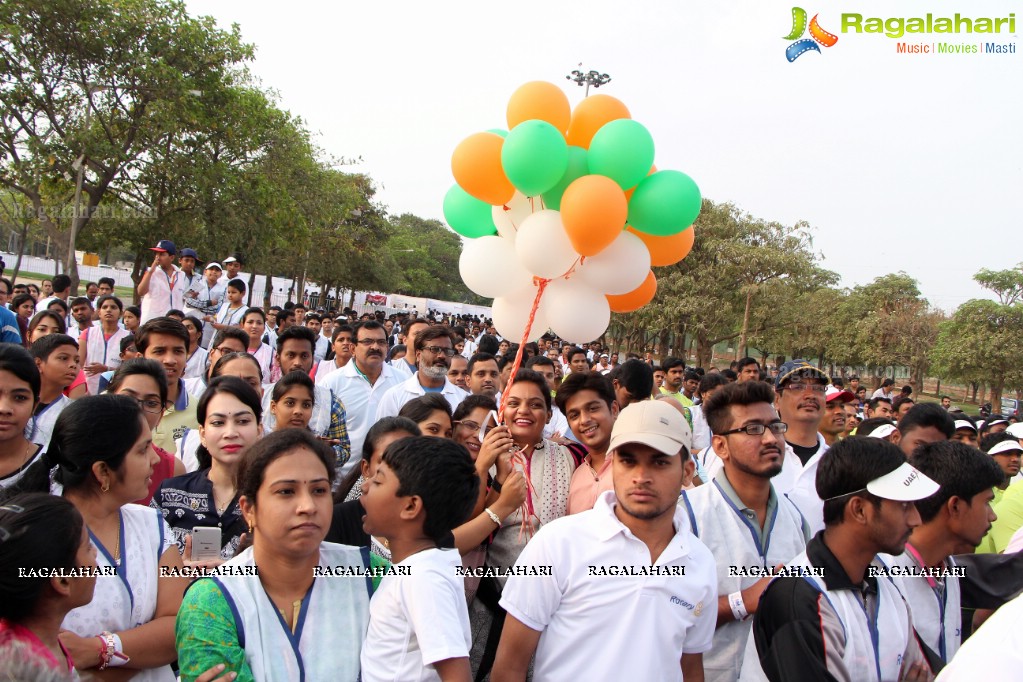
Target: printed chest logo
[[818, 36], [697, 609]]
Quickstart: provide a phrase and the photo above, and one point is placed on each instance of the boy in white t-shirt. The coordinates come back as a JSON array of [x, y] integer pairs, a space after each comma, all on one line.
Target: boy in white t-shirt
[[418, 619]]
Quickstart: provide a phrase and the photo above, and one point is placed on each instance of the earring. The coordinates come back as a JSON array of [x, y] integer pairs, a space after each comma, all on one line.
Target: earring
[[106, 486]]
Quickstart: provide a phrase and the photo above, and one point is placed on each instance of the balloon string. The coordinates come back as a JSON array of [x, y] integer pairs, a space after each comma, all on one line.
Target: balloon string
[[541, 285]]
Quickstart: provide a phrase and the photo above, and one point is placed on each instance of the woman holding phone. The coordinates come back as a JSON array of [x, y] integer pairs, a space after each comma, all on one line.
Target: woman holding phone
[[229, 414]]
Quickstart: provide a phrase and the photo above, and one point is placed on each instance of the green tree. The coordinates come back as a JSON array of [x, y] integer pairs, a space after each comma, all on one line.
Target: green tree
[[99, 85], [980, 343], [1007, 284], [426, 253]]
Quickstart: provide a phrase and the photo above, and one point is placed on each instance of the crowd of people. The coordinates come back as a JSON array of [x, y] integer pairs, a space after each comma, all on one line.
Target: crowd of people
[[200, 489]]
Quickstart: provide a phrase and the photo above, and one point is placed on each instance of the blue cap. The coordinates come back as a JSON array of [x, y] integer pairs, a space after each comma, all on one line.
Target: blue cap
[[166, 246], [799, 369], [189, 252]]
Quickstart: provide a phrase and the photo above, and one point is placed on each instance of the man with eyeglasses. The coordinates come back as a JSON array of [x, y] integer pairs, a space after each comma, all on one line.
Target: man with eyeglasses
[[741, 518], [434, 348], [229, 340], [362, 382]]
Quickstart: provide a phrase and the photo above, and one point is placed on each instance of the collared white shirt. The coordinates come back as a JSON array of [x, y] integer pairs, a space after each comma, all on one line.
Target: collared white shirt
[[803, 490], [165, 292], [600, 626], [396, 397], [360, 399]]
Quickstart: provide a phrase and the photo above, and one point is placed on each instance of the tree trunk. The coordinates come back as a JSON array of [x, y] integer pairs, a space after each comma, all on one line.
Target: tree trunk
[[137, 269], [704, 350], [741, 346], [996, 395], [252, 280], [268, 289]]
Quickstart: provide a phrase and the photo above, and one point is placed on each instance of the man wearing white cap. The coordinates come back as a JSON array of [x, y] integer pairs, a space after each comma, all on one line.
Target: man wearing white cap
[[843, 619], [162, 287], [966, 432], [631, 592], [204, 298], [232, 266], [741, 518]]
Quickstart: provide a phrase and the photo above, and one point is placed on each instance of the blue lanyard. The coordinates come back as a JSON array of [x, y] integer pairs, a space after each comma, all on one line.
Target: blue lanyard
[[122, 568], [752, 529]]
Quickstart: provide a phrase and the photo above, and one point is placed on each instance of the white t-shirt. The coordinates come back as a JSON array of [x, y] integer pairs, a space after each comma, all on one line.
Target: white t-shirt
[[416, 620], [601, 621]]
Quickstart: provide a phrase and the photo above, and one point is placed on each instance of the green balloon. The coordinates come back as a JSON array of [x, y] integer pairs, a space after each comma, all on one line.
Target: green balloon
[[534, 157], [577, 167], [499, 131], [623, 150], [467, 215], [665, 203]]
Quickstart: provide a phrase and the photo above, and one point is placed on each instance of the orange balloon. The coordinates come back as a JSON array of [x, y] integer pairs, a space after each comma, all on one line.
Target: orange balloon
[[476, 165], [593, 210], [539, 100], [590, 116], [635, 299], [667, 250], [628, 192]]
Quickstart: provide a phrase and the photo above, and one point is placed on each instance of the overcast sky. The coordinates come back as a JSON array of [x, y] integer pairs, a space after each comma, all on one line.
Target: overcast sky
[[900, 162]]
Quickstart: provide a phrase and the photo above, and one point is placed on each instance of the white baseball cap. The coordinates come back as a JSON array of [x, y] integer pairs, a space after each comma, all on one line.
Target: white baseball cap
[[230, 259], [903, 484], [653, 423], [965, 424], [883, 431], [1005, 446], [1015, 430]]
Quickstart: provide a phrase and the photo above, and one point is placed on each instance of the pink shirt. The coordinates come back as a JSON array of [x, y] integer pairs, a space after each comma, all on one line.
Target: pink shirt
[[12, 632], [585, 486]]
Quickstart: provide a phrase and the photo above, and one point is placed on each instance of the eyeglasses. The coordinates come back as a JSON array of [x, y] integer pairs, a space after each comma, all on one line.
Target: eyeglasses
[[437, 350], [799, 387], [777, 428], [150, 405], [224, 350], [470, 426], [368, 343]]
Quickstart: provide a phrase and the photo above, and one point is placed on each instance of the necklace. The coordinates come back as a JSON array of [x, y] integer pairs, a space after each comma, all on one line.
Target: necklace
[[117, 542], [221, 508]]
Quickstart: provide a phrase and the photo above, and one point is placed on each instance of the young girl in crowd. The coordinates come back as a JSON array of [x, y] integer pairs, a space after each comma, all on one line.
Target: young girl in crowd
[[292, 403], [431, 412], [40, 531], [145, 381], [197, 355], [23, 465], [132, 318], [100, 346], [254, 324]]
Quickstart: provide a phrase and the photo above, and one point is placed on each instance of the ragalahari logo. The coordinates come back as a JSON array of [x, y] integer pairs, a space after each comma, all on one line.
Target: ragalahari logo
[[817, 35]]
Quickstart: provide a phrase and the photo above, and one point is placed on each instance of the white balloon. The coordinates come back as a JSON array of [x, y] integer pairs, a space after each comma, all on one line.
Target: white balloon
[[543, 246], [511, 313], [576, 311], [488, 265], [621, 267], [508, 218]]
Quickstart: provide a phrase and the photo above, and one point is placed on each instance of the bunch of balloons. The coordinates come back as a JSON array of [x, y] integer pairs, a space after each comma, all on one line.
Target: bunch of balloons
[[566, 213]]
